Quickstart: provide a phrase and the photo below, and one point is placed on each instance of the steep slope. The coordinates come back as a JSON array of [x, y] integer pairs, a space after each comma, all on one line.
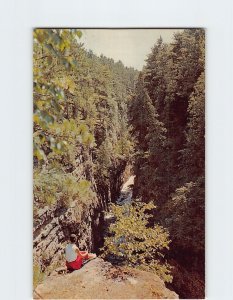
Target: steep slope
[[81, 142], [52, 229]]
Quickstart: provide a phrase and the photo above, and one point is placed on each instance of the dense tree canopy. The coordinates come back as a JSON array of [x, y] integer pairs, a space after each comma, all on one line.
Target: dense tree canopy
[[80, 118], [169, 132], [93, 116]]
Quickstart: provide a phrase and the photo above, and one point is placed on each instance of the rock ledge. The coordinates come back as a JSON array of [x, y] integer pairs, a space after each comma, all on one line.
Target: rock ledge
[[100, 280]]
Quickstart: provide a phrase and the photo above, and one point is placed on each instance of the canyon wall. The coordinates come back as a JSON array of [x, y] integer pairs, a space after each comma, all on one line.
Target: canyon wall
[[53, 226]]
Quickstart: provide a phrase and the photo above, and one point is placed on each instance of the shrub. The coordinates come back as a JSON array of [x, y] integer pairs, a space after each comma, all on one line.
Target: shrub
[[136, 243], [55, 185]]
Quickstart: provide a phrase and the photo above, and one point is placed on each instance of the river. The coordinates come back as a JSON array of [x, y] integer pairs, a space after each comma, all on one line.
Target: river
[[124, 198]]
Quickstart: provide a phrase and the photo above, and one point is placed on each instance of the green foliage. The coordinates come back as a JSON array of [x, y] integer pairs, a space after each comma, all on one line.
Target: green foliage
[[150, 136], [84, 188], [170, 78], [169, 126], [52, 186], [38, 275], [186, 216], [51, 48], [194, 151], [138, 244], [169, 131], [81, 129]]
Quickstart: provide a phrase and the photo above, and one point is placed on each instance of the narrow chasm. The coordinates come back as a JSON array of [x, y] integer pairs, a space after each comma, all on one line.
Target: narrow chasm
[[119, 157], [103, 218]]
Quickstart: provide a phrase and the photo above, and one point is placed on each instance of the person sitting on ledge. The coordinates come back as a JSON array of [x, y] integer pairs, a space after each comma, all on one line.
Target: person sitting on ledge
[[75, 257]]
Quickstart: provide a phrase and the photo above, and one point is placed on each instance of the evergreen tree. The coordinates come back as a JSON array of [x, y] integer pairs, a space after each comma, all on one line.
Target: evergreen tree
[[167, 115], [80, 108], [150, 145], [194, 151]]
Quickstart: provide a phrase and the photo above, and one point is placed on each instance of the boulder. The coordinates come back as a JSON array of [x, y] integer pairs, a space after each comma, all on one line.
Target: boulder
[[98, 279]]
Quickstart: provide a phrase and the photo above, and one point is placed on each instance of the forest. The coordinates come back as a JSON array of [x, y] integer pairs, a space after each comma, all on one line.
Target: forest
[[95, 122]]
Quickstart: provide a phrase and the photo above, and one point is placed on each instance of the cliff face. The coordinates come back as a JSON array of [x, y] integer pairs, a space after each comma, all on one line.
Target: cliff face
[[53, 226], [100, 280]]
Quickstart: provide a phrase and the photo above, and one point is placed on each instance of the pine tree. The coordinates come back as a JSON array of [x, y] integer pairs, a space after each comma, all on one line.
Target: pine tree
[[194, 151], [169, 166]]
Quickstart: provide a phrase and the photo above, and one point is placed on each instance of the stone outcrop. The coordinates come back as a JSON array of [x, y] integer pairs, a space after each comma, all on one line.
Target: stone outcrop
[[100, 280], [53, 226]]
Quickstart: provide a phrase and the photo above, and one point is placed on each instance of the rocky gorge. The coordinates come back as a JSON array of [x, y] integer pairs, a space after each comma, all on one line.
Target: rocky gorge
[[99, 278]]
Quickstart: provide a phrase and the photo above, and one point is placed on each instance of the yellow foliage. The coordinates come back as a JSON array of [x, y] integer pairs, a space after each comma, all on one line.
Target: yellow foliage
[[138, 244]]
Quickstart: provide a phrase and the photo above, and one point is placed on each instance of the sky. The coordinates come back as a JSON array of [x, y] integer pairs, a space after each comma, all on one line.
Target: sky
[[131, 46]]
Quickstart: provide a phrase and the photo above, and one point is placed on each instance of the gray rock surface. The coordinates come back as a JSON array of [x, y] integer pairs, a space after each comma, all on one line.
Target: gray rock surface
[[53, 226], [100, 280]]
